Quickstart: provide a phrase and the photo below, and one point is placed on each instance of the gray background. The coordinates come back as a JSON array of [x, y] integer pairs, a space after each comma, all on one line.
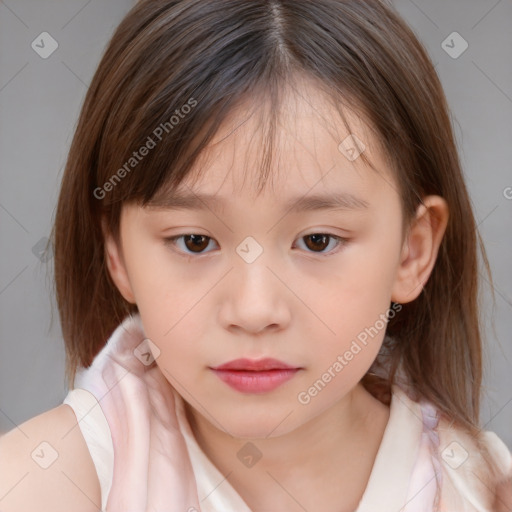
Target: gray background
[[39, 105]]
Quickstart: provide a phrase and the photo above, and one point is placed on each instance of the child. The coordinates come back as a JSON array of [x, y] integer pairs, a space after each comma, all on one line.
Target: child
[[320, 348]]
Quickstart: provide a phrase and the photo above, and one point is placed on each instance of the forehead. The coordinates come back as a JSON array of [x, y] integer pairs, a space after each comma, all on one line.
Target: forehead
[[309, 148]]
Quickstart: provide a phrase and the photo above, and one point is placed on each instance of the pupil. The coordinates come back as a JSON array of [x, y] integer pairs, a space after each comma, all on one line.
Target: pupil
[[199, 242], [194, 245], [316, 239]]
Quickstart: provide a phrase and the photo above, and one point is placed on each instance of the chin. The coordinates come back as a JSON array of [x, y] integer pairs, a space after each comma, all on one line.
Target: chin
[[261, 423], [253, 430]]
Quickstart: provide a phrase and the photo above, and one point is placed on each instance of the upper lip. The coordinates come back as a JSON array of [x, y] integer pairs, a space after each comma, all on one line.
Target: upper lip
[[255, 365]]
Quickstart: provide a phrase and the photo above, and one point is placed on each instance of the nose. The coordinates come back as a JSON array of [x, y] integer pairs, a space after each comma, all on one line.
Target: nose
[[255, 298]]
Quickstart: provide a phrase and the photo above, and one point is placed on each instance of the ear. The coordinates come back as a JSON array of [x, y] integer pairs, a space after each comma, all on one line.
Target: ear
[[420, 249], [116, 266]]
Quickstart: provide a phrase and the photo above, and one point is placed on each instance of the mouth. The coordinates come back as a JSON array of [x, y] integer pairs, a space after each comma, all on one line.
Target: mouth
[[255, 376]]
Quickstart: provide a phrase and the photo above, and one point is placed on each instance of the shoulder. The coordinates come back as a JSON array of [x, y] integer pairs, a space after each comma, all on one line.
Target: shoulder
[[46, 465], [477, 469]]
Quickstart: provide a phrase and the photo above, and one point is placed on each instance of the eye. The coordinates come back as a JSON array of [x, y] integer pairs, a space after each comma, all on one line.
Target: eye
[[317, 242], [190, 242], [196, 244]]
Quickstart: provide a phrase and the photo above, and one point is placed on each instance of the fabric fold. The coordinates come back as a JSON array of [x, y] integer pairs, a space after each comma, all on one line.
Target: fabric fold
[[136, 429]]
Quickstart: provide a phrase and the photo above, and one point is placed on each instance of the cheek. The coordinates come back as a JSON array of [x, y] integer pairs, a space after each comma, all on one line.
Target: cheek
[[356, 296], [165, 287], [345, 355], [354, 306], [168, 300], [179, 356]]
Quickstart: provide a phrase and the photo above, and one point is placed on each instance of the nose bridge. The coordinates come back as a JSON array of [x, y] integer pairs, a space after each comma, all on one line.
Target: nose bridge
[[251, 270], [256, 298]]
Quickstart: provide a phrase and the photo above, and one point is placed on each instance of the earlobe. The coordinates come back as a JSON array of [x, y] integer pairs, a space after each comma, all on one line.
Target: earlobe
[[116, 267], [420, 249]]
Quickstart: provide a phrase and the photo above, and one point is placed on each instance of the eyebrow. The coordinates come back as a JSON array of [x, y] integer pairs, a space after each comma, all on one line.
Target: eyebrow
[[309, 202]]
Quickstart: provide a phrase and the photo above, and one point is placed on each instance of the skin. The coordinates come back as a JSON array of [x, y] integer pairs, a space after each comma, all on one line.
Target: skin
[[292, 303]]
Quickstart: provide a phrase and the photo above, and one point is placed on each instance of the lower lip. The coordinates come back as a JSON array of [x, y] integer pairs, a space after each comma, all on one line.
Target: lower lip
[[255, 382]]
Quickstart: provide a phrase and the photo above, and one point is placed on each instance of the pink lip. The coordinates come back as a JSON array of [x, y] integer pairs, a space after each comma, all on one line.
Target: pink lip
[[255, 365], [255, 376]]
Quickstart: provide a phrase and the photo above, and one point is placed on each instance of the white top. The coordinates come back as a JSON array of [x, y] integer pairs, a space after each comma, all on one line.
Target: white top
[[399, 445], [115, 402]]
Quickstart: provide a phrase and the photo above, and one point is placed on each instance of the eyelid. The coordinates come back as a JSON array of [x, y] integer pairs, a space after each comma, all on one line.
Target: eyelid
[[171, 242], [341, 242]]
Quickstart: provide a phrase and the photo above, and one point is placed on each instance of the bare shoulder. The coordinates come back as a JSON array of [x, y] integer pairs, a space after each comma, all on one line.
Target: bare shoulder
[[45, 465]]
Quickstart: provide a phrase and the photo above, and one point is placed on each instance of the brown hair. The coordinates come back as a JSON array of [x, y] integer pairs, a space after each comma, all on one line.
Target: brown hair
[[210, 56]]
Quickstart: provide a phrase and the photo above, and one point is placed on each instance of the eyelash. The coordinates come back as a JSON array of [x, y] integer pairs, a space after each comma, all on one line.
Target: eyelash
[[340, 243]]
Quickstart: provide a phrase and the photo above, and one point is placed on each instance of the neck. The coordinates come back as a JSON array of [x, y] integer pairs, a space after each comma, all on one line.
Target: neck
[[332, 453]]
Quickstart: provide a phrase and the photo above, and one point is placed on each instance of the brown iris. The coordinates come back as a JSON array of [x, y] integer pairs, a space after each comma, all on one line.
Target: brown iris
[[320, 241], [199, 242]]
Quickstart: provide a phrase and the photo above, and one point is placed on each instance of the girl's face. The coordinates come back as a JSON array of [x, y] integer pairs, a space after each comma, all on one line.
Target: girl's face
[[303, 273]]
